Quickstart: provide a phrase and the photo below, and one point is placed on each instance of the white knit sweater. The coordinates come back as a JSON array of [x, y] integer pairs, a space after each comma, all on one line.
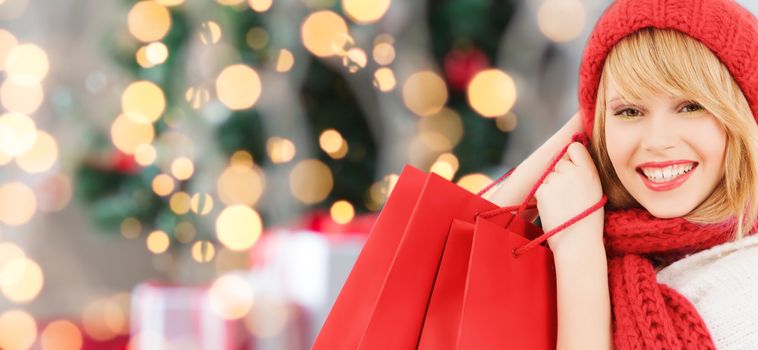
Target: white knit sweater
[[722, 284]]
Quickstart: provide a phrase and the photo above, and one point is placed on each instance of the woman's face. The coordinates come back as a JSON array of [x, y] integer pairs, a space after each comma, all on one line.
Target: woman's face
[[668, 153]]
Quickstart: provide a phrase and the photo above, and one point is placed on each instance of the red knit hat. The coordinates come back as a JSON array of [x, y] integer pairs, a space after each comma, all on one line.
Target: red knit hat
[[725, 27]]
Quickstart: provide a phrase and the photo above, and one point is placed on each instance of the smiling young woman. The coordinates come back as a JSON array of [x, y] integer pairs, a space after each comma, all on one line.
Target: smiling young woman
[[663, 97]]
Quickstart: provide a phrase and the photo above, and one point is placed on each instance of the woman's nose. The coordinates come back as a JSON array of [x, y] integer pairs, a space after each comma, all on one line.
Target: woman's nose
[[661, 135]]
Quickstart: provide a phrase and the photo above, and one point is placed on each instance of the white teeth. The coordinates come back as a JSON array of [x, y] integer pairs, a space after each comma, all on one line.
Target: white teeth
[[666, 174]]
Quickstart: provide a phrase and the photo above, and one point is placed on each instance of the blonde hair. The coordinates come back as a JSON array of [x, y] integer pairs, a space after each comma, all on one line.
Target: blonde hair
[[652, 61]]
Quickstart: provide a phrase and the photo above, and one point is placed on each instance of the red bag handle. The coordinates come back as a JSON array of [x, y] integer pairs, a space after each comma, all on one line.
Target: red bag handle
[[577, 137]]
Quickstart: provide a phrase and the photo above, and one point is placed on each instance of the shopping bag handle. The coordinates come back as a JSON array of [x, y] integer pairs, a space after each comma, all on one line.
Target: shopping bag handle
[[577, 137]]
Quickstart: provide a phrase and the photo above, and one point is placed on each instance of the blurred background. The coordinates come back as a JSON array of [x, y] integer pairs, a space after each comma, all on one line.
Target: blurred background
[[202, 174]]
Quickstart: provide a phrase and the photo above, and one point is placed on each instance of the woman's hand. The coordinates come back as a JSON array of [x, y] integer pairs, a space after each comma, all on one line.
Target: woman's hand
[[572, 187]]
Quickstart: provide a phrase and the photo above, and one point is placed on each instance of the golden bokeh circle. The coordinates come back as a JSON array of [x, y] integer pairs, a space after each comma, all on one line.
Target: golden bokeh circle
[[364, 12], [127, 135], [238, 87], [320, 30], [491, 93], [18, 133], [231, 297], [311, 181], [41, 156], [17, 204], [158, 242], [61, 335], [238, 227], [143, 102], [19, 98], [27, 64], [149, 21], [18, 330], [342, 212], [425, 93]]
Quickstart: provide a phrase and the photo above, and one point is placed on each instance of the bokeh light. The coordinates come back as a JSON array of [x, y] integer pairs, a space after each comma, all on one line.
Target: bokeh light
[[342, 212], [103, 319], [19, 98], [561, 20], [18, 330], [238, 87], [446, 166], [474, 182], [53, 193], [145, 154], [442, 131], [61, 335], [260, 5], [320, 30], [17, 204], [197, 97], [182, 168], [384, 79], [131, 228], [185, 232], [163, 185], [180, 203], [384, 53], [27, 64], [238, 227], [149, 21], [354, 59], [363, 12], [41, 156], [285, 61], [240, 184], [157, 242], [492, 93], [311, 181], [256, 38], [231, 297], [425, 93], [201, 203], [210, 32], [280, 150], [156, 53], [127, 135], [17, 133], [21, 280], [141, 57], [143, 102], [269, 316], [507, 123], [241, 158], [330, 140], [203, 251]]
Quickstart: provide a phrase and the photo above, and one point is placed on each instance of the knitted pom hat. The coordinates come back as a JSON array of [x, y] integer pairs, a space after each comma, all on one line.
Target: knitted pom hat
[[725, 27]]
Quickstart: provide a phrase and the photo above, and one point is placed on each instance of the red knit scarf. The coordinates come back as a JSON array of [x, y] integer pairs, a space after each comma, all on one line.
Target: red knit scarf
[[648, 315]]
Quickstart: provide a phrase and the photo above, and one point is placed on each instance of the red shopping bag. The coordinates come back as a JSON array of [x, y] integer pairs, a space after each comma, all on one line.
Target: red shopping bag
[[384, 300], [510, 301], [494, 298], [352, 310], [443, 315]]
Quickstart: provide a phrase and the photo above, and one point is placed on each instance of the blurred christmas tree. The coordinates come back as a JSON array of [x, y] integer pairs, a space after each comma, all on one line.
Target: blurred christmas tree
[[312, 104]]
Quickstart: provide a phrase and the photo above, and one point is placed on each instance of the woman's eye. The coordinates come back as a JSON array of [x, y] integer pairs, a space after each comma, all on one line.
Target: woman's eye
[[693, 107], [628, 113]]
